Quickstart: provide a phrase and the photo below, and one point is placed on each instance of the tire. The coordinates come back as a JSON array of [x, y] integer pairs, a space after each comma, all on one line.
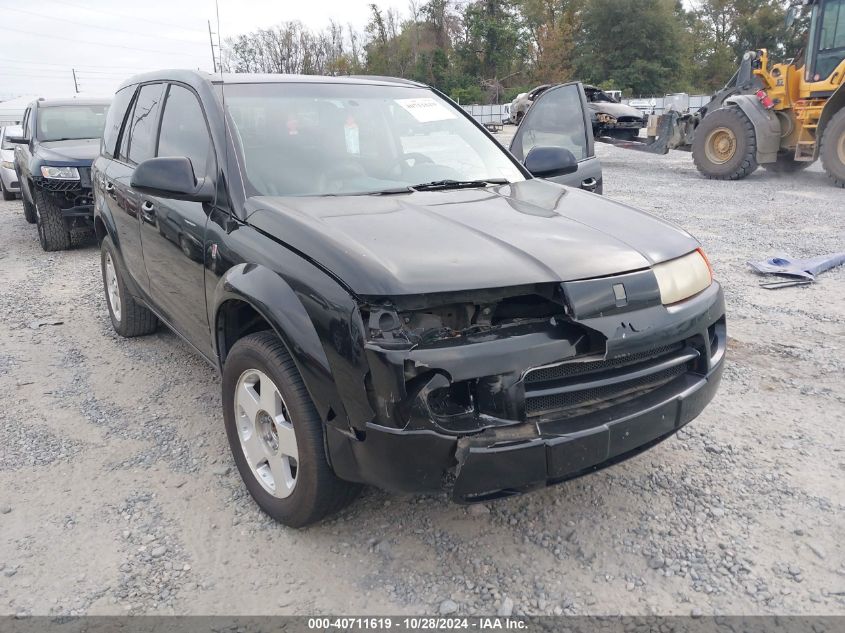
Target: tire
[[725, 147], [7, 195], [294, 490], [52, 230], [832, 149], [128, 317], [786, 164], [28, 209]]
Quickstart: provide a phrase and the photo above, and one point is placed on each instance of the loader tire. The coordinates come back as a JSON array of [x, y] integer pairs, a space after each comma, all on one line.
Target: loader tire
[[832, 149], [786, 164], [725, 147]]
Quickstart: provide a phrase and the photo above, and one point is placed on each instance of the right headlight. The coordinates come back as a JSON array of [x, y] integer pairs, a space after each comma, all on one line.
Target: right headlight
[[683, 277]]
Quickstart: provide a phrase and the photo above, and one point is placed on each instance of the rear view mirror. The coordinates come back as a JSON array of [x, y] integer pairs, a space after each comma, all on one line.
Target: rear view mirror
[[550, 161], [18, 140], [171, 177]]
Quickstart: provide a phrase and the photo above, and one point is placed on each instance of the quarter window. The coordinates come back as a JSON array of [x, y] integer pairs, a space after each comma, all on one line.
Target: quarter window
[[183, 129], [142, 132]]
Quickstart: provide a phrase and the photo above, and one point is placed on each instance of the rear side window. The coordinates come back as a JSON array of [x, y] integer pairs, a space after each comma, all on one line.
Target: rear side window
[[115, 118], [142, 131], [183, 129]]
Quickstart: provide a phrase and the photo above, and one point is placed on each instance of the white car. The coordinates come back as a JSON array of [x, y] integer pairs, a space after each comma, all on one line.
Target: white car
[[9, 185]]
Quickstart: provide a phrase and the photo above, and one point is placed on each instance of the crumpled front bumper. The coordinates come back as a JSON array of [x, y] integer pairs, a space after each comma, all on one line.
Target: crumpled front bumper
[[545, 449]]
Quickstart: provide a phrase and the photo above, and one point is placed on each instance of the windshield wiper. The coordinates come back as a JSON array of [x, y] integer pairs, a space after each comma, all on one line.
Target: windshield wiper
[[437, 185], [381, 192]]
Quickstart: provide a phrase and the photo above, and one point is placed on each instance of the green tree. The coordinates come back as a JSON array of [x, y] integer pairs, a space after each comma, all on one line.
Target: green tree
[[636, 45]]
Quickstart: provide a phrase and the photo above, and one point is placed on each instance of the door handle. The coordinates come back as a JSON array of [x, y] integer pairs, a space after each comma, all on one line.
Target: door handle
[[108, 187], [148, 212], [589, 184]]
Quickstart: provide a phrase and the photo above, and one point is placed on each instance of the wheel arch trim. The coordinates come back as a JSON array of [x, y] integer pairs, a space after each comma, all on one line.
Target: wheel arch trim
[[273, 299], [766, 126]]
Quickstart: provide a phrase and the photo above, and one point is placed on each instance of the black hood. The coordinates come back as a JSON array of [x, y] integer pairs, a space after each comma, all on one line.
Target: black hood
[[528, 232], [76, 151]]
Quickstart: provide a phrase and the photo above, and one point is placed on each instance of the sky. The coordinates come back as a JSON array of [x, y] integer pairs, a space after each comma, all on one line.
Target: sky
[[106, 41]]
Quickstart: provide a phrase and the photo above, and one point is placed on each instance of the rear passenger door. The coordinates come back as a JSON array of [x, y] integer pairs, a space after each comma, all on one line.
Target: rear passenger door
[[560, 117], [173, 231]]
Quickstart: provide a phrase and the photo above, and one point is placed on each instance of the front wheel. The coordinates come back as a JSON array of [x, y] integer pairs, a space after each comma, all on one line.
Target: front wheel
[[725, 146], [28, 208], [276, 435], [7, 195], [832, 149], [53, 233]]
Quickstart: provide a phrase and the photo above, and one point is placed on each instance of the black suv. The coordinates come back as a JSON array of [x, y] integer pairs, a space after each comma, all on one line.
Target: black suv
[[53, 163], [392, 298]]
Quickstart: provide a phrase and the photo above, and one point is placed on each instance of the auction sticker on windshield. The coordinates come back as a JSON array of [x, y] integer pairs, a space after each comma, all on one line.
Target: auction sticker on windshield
[[426, 109]]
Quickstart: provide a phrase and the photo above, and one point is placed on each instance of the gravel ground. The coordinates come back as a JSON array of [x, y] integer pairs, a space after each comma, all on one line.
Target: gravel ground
[[118, 494]]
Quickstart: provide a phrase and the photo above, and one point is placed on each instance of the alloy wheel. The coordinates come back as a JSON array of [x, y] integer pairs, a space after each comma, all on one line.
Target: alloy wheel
[[112, 289], [266, 433]]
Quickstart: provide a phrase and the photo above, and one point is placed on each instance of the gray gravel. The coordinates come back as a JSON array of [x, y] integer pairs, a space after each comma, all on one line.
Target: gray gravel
[[118, 494]]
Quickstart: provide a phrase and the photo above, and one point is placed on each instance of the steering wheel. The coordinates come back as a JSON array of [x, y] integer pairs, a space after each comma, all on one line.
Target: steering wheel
[[331, 179]]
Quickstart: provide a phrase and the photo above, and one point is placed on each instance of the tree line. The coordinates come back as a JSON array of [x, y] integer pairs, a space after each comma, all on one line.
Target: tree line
[[484, 51]]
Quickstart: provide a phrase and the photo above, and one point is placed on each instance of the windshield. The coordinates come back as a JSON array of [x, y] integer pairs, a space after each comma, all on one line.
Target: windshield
[[335, 139], [60, 123], [7, 132], [598, 96]]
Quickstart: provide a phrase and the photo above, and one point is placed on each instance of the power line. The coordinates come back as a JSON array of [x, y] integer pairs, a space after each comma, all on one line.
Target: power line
[[24, 61], [126, 17], [94, 26], [76, 41], [63, 70]]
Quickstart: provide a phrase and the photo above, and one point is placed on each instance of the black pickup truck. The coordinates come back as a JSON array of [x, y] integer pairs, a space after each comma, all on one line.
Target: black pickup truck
[[391, 297], [60, 139]]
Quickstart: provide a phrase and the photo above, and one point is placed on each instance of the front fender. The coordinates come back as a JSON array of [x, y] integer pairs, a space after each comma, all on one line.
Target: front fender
[[278, 304], [766, 126]]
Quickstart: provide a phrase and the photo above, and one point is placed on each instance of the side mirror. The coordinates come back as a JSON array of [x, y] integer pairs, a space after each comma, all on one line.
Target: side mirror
[[550, 161], [18, 140], [171, 177]]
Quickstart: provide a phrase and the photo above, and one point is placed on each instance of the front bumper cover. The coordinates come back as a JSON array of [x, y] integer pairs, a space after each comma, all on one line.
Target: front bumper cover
[[545, 449]]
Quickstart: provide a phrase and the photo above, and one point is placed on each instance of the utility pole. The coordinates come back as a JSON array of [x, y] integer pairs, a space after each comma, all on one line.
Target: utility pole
[[75, 85], [211, 41]]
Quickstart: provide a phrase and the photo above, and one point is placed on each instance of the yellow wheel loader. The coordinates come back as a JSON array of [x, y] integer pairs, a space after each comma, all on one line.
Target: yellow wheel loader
[[780, 116]]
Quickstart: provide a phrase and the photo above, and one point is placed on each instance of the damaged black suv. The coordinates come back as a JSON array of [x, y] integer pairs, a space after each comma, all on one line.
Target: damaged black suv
[[391, 297], [61, 137]]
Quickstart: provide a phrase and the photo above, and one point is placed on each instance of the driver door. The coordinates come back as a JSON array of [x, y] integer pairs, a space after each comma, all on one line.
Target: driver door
[[560, 117]]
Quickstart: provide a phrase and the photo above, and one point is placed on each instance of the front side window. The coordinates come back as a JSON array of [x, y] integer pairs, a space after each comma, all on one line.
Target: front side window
[[555, 120], [829, 26], [330, 139], [183, 129], [142, 130], [70, 122]]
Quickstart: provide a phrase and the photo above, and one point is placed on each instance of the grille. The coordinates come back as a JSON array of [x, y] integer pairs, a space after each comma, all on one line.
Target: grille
[[59, 185], [574, 368], [575, 403]]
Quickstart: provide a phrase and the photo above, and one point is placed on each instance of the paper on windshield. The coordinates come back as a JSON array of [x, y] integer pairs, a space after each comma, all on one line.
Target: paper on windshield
[[426, 109]]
